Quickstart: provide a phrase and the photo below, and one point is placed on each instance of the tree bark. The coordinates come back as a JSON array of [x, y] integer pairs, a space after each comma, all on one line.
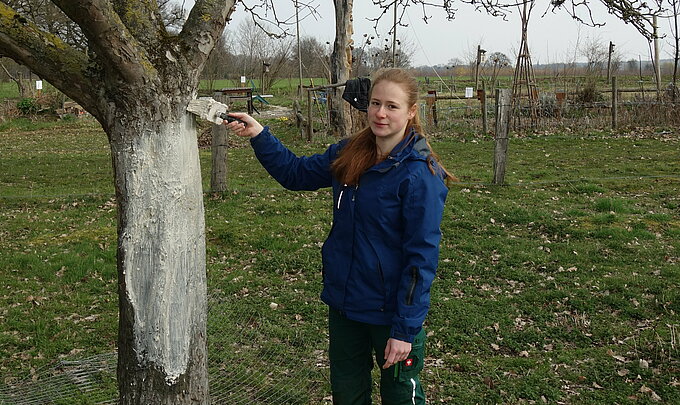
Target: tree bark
[[161, 263], [341, 65]]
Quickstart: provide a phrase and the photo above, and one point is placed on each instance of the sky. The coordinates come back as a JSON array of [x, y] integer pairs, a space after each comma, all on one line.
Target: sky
[[553, 37]]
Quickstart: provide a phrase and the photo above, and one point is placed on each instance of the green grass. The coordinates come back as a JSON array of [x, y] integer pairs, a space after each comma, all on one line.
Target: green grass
[[561, 287]]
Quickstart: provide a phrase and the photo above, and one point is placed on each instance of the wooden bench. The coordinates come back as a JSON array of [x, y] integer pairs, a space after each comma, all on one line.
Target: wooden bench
[[231, 93]]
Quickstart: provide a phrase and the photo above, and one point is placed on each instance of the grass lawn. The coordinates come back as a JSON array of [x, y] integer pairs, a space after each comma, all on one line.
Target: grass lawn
[[562, 287]]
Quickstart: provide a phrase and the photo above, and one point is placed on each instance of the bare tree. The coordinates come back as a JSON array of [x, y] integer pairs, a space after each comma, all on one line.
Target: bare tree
[[220, 60], [496, 62], [136, 78], [595, 52], [253, 47], [315, 57], [16, 74]]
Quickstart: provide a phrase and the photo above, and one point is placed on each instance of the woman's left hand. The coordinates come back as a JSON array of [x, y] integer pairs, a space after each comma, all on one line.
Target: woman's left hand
[[395, 351]]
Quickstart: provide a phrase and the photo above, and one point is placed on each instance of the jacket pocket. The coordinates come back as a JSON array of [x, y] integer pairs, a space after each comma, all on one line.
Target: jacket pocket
[[412, 286]]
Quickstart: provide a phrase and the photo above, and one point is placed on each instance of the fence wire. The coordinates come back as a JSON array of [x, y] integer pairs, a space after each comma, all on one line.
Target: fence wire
[[251, 360], [547, 115]]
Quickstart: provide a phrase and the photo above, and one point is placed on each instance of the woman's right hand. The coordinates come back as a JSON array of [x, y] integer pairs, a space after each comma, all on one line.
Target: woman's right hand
[[250, 130]]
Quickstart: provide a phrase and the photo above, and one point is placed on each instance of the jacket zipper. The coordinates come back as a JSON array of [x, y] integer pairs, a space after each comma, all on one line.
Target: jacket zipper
[[340, 196], [412, 287], [343, 191]]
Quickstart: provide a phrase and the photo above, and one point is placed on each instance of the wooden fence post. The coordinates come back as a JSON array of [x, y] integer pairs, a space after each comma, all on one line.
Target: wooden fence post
[[501, 137], [615, 102], [219, 148], [309, 115], [482, 98], [431, 102]]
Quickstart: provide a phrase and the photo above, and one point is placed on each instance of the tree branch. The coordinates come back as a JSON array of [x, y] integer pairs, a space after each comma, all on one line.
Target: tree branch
[[143, 20], [47, 55], [638, 13], [202, 30], [110, 38]]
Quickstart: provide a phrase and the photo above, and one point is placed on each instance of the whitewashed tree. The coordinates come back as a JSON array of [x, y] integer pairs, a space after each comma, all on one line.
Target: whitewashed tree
[[136, 77]]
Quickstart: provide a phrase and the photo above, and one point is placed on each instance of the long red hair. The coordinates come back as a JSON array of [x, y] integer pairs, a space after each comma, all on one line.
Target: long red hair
[[361, 151]]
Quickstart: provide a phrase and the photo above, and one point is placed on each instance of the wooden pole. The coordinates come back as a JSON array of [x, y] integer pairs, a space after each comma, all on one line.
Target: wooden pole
[[609, 61], [299, 54], [615, 101], [501, 137], [299, 118], [219, 148], [309, 115], [482, 99], [431, 103], [642, 85]]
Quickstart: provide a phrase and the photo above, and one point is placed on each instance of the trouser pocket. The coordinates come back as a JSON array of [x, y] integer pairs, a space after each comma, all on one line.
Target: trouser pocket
[[400, 384], [413, 365]]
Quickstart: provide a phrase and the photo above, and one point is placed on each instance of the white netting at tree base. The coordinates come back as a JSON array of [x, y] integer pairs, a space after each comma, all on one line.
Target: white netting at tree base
[[254, 357]]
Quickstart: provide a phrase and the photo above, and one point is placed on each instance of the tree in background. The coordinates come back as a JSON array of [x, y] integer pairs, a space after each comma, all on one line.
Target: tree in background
[[315, 58], [136, 76], [381, 57], [496, 62], [595, 53], [220, 61], [253, 46], [20, 75]]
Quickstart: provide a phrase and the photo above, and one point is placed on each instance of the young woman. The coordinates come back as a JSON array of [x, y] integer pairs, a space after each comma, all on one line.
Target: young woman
[[381, 255]]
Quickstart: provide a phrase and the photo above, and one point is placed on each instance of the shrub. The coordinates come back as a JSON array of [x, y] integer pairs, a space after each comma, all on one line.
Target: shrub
[[28, 106], [589, 94]]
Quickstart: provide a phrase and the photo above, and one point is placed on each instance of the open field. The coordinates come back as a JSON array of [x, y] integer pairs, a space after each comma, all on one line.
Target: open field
[[561, 287]]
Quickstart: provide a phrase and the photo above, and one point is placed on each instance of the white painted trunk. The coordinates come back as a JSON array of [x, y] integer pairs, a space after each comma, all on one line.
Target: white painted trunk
[[161, 262]]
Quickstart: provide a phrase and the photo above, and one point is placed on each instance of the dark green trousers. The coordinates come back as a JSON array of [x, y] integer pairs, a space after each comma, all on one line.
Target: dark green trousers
[[352, 347]]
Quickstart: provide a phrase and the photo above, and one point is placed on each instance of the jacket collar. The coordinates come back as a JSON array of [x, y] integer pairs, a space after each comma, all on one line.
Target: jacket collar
[[413, 146]]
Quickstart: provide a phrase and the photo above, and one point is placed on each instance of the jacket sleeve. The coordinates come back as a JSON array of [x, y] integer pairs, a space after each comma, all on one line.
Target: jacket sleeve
[[422, 211], [293, 172]]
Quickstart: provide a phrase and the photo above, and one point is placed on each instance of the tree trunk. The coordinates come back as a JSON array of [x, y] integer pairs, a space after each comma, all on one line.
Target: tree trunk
[[162, 355], [341, 64]]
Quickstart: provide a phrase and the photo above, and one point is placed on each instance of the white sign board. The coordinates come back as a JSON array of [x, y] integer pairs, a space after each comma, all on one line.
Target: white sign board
[[243, 79], [38, 84], [468, 92]]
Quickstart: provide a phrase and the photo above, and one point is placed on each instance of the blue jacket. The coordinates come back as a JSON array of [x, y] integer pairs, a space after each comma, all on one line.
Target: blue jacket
[[381, 255]]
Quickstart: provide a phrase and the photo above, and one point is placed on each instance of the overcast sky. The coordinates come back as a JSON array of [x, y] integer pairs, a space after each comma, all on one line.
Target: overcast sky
[[552, 38]]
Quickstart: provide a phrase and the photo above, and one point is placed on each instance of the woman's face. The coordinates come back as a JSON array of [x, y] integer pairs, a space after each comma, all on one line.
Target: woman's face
[[389, 111]]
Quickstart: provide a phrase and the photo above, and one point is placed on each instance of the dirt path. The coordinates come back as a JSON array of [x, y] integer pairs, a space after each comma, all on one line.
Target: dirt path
[[274, 111]]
